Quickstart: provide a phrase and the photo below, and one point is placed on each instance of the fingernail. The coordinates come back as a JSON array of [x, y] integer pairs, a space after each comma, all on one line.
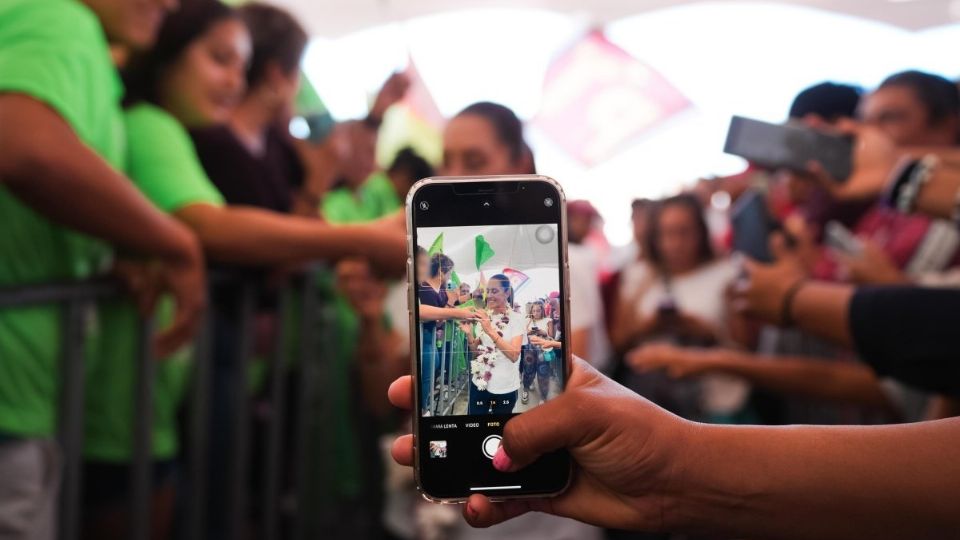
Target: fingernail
[[501, 461], [472, 512]]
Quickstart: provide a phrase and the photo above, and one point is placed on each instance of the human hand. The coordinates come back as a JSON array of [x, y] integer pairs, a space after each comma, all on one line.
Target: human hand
[[872, 267], [678, 362], [390, 93], [142, 280], [485, 323], [466, 327], [544, 342], [628, 452], [186, 280], [465, 313], [875, 156], [803, 242], [766, 287]]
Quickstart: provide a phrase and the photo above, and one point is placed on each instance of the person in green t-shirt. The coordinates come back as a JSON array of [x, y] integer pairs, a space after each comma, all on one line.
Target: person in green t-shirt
[[192, 78], [63, 143]]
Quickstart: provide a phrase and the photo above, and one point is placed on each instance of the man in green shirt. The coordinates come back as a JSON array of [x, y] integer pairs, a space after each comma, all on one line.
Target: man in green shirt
[[62, 138], [162, 163]]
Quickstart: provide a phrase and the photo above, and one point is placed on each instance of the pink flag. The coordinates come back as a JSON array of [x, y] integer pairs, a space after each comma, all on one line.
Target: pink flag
[[517, 278]]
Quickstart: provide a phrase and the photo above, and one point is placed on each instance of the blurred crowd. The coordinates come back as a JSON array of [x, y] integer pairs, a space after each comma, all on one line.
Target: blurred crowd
[[151, 141]]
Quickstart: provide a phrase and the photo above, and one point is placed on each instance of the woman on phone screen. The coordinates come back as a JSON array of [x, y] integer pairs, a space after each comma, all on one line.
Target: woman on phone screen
[[538, 326], [495, 342]]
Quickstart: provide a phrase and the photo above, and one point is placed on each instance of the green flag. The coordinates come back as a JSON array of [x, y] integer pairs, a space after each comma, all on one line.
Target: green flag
[[455, 279], [484, 251], [436, 246]]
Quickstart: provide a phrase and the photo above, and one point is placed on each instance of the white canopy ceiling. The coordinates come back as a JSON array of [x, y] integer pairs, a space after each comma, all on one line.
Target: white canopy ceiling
[[333, 18]]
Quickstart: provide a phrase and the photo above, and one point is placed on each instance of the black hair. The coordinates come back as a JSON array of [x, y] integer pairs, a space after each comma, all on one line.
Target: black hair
[[828, 100], [277, 37], [692, 204], [440, 262], [421, 251], [409, 163], [506, 286], [506, 125], [179, 30], [938, 95], [639, 205]]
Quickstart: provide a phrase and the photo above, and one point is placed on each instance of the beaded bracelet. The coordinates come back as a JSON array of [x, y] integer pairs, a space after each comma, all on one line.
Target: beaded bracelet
[[919, 176]]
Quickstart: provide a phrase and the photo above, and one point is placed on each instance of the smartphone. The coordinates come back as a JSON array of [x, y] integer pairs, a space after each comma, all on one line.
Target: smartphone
[[841, 239], [752, 224], [789, 146], [507, 236]]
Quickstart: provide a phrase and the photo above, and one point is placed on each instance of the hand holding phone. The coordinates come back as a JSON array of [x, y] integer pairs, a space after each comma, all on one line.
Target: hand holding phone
[[613, 490], [789, 146], [508, 233]]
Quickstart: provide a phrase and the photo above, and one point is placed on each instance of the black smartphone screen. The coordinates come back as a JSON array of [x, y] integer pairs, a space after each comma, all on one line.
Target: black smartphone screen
[[506, 351], [789, 146]]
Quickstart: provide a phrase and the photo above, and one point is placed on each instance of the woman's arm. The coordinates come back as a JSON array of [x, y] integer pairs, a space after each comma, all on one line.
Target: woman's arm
[[510, 349], [642, 468], [823, 482], [845, 382], [434, 313], [254, 236], [908, 333]]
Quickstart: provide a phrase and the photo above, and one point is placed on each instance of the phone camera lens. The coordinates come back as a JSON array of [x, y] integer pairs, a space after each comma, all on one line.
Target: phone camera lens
[[424, 205], [548, 202]]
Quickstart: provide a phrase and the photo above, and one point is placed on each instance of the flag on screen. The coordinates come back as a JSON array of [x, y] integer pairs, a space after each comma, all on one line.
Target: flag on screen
[[484, 251], [436, 246], [517, 278]]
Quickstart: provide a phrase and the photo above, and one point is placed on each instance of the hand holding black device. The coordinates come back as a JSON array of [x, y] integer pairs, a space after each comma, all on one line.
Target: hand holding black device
[[789, 146]]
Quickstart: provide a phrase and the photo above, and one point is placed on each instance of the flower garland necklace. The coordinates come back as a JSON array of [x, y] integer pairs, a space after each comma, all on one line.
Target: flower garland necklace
[[481, 367]]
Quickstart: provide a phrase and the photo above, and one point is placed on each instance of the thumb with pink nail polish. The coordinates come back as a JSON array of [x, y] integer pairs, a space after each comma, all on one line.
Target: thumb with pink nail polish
[[501, 461]]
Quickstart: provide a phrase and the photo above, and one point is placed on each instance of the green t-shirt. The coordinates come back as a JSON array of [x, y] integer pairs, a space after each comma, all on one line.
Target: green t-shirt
[[375, 199], [54, 51], [163, 164]]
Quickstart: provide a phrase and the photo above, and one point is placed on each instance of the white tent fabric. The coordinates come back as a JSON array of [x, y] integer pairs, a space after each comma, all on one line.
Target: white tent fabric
[[333, 18]]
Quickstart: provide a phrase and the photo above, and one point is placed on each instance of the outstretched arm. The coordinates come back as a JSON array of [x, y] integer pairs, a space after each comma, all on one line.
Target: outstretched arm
[[645, 469], [845, 382]]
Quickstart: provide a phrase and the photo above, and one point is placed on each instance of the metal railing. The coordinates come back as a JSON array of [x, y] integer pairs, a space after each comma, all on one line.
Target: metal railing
[[314, 328], [453, 363]]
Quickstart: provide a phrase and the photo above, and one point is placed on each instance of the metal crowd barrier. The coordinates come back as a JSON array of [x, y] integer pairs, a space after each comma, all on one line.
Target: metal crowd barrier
[[453, 362], [77, 301]]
